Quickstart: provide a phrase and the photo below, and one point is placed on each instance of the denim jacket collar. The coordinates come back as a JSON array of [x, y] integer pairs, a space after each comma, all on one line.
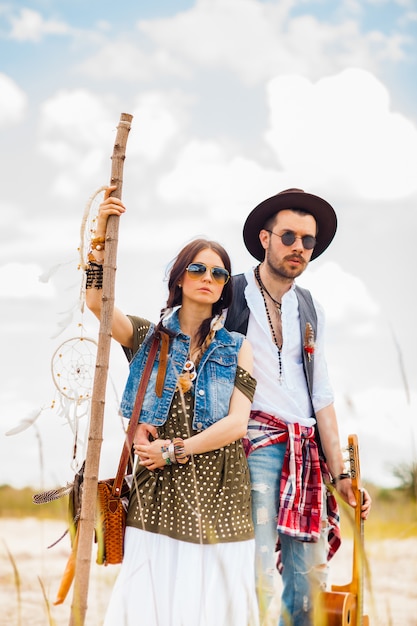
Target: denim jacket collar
[[172, 323]]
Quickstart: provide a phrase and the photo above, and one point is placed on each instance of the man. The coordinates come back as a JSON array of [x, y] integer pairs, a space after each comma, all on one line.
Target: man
[[292, 444]]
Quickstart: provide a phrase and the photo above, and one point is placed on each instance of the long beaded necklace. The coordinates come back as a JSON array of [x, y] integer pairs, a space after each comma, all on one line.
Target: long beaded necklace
[[263, 290]]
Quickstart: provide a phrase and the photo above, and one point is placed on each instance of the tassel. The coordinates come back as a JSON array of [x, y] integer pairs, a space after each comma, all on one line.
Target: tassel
[[68, 575], [184, 382]]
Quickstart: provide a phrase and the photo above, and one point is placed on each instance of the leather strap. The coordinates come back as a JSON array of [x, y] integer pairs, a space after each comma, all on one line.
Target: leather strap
[[130, 433], [163, 361]]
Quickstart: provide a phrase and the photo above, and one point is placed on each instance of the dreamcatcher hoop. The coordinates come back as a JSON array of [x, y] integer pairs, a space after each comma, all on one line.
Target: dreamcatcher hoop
[[72, 368]]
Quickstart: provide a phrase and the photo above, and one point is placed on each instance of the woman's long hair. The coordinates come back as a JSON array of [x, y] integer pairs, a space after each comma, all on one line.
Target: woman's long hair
[[182, 261]]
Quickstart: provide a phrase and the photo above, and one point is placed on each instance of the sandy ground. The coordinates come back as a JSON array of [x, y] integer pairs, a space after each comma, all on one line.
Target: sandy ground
[[390, 594]]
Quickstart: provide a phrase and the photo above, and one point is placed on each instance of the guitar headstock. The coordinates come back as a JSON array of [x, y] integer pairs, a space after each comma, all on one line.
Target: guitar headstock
[[354, 465]]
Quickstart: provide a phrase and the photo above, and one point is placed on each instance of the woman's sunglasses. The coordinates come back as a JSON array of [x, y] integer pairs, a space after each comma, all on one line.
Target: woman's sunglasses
[[289, 237], [197, 270]]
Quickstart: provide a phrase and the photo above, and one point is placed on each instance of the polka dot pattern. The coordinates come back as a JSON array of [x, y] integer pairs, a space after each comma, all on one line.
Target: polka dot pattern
[[206, 500]]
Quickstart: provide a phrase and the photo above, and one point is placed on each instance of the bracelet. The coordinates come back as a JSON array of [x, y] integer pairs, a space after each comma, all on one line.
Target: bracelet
[[94, 276], [92, 259], [165, 455], [97, 243], [179, 450], [168, 454], [171, 452], [340, 477]]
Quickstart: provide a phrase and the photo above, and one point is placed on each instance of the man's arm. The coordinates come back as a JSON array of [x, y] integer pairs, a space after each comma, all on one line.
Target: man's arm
[[330, 441]]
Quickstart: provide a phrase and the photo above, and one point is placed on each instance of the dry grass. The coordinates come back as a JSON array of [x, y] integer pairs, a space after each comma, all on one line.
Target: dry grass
[[393, 516], [30, 573]]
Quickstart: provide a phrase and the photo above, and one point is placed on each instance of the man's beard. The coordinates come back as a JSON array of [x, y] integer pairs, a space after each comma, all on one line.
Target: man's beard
[[280, 269]]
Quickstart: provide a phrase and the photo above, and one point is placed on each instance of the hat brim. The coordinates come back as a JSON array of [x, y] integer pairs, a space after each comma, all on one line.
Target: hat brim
[[321, 210]]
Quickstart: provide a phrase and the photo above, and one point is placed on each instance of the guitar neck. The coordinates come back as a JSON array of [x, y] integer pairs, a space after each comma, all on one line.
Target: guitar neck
[[358, 559], [356, 585]]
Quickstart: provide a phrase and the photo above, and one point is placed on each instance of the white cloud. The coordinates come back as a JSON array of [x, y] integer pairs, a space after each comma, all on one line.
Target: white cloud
[[125, 60], [21, 281], [257, 41], [341, 129], [13, 101], [212, 177], [79, 116], [345, 297], [75, 129], [31, 26], [158, 119]]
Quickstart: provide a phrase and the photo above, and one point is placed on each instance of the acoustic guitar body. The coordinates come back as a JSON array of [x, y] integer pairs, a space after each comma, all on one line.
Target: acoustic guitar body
[[339, 608]]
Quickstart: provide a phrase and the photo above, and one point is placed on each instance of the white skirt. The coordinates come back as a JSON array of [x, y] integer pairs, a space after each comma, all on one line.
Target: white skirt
[[166, 582]]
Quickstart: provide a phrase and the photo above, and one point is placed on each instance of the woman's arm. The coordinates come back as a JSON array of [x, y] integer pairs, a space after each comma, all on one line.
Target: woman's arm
[[230, 428], [122, 329]]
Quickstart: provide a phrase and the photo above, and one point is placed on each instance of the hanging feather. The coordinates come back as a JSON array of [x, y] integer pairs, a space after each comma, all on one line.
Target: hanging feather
[[26, 423], [47, 274], [66, 319], [309, 341], [52, 494], [74, 491]]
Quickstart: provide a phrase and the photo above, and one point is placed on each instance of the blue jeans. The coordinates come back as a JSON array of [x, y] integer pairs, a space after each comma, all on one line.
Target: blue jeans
[[305, 563]]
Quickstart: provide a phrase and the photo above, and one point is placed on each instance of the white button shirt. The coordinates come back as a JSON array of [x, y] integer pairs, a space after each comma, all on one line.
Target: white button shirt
[[288, 400]]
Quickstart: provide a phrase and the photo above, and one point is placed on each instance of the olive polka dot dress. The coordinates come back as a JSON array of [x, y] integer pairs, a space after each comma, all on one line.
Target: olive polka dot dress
[[189, 545]]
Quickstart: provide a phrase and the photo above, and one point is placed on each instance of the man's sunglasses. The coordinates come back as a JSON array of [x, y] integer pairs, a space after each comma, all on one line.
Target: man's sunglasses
[[289, 237], [197, 270]]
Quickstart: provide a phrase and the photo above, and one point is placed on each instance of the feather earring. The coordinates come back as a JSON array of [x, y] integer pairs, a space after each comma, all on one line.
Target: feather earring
[[309, 341]]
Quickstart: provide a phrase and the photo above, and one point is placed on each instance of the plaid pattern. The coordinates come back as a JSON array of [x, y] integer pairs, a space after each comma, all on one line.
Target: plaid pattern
[[304, 476]]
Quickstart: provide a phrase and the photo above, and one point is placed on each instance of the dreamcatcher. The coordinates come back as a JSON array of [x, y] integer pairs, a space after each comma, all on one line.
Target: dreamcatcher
[[72, 369], [73, 362]]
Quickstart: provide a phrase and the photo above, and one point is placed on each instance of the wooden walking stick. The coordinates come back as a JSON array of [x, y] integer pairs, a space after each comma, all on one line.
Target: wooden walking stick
[[95, 437]]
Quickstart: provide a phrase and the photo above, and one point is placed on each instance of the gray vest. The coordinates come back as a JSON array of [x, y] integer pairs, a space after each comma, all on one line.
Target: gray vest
[[238, 318]]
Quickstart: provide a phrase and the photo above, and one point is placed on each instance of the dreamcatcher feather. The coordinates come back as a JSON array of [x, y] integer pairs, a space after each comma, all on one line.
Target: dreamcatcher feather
[[73, 362], [72, 371]]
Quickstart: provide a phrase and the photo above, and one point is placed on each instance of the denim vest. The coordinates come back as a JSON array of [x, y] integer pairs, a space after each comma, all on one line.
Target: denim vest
[[213, 386]]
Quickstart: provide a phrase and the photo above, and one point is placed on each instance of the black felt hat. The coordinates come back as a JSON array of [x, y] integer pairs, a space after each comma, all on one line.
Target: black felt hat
[[321, 210]]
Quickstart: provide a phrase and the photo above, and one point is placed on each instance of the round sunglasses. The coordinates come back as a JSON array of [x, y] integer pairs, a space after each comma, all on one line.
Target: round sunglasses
[[289, 237], [197, 270]]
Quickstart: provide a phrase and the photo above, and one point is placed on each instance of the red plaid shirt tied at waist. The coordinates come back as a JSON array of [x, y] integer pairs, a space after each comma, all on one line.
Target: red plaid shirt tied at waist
[[304, 476]]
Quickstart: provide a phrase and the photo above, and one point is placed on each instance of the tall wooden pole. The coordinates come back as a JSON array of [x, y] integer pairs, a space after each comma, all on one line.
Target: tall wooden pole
[[95, 437]]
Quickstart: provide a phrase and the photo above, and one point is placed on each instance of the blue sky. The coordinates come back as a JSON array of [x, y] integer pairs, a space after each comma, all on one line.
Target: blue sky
[[233, 101]]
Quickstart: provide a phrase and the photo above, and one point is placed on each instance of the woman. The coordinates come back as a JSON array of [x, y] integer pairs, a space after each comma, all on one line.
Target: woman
[[189, 546]]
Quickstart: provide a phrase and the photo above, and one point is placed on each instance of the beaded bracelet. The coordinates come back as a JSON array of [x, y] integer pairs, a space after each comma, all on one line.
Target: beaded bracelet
[[168, 454], [94, 276], [97, 243], [340, 477], [179, 449]]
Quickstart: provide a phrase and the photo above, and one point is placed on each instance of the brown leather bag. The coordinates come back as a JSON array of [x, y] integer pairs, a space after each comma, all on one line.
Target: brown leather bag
[[113, 493]]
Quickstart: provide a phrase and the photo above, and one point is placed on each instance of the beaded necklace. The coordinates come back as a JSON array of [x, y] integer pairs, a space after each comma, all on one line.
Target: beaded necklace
[[263, 290], [189, 372]]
